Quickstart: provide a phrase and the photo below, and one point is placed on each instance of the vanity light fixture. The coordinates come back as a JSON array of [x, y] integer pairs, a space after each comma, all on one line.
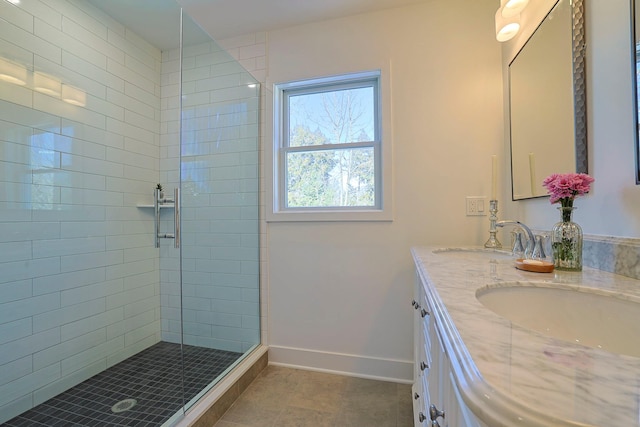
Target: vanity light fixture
[[73, 95], [506, 27], [508, 18], [44, 83], [12, 72]]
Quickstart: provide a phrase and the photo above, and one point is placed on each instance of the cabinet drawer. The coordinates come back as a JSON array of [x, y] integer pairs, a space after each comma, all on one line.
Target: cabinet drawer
[[423, 362], [420, 395], [426, 325], [427, 343]]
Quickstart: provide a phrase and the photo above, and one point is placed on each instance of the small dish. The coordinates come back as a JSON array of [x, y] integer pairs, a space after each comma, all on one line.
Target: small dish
[[534, 265]]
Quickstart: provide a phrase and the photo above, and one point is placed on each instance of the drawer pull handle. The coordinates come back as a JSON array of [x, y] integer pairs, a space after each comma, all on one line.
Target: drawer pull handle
[[434, 413]]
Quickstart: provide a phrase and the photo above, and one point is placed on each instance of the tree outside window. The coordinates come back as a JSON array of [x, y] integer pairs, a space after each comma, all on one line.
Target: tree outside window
[[330, 148]]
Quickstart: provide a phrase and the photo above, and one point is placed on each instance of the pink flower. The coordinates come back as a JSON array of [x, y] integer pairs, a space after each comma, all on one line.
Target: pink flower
[[565, 187]]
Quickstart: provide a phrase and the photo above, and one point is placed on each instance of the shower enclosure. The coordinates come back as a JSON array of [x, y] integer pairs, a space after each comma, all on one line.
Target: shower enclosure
[[98, 326]]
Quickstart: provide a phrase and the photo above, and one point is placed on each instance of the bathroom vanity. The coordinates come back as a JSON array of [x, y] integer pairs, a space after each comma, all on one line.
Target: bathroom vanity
[[500, 347]]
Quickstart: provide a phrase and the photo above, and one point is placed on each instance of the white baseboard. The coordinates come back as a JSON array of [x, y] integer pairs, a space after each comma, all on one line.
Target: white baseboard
[[399, 371]]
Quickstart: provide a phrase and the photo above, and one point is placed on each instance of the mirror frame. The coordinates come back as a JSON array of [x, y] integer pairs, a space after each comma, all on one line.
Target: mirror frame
[[580, 87], [578, 47], [634, 84]]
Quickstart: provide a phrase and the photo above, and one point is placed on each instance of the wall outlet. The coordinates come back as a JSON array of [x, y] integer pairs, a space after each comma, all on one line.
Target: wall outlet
[[477, 206]]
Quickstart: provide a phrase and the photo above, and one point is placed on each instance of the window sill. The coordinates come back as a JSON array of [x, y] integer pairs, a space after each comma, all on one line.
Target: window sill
[[329, 216]]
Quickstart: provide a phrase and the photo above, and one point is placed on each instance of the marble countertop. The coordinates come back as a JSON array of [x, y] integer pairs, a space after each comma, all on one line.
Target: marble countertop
[[511, 376]]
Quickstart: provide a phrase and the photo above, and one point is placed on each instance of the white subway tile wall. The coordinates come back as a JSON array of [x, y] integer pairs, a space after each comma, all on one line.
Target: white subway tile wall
[[80, 284], [220, 195], [251, 51]]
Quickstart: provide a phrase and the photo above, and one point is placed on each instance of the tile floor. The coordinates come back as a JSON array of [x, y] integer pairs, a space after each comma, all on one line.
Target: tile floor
[[284, 397], [151, 377]]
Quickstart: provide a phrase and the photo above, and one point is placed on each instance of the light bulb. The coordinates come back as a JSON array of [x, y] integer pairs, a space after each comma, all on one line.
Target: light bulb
[[506, 28], [513, 7]]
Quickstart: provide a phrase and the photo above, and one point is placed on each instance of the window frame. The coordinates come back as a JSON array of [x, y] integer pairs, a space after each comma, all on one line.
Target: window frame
[[381, 144]]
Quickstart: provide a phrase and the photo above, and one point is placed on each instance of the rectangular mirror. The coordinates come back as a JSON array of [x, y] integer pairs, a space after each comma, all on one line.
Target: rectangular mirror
[[635, 55], [547, 102]]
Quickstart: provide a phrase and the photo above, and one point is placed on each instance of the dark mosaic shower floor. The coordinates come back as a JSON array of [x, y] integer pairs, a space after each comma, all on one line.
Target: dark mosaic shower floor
[[151, 377]]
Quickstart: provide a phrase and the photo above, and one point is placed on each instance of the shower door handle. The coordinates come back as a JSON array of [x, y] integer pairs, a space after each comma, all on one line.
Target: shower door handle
[[156, 215], [176, 218]]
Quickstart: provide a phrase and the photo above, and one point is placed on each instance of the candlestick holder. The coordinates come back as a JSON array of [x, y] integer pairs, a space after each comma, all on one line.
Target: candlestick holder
[[493, 241]]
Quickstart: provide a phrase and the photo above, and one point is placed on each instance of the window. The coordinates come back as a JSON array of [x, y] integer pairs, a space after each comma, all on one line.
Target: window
[[328, 152]]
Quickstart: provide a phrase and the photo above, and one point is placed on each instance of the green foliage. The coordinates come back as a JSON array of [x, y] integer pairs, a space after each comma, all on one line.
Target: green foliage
[[331, 173], [328, 177], [308, 178]]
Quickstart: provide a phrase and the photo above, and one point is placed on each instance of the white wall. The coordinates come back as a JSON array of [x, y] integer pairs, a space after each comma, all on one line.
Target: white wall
[[613, 206], [339, 293]]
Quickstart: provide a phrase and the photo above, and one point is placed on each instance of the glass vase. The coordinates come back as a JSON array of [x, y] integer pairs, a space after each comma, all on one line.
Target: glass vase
[[566, 242]]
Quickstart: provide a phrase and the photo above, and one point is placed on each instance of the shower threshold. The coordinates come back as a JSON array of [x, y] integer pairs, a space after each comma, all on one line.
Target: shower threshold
[[145, 390]]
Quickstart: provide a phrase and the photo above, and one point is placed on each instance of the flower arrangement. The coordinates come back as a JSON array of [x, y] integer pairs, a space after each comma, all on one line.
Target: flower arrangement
[[566, 236], [565, 187]]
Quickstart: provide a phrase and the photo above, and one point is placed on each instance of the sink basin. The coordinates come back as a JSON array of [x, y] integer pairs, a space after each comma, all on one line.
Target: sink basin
[[474, 252], [591, 318]]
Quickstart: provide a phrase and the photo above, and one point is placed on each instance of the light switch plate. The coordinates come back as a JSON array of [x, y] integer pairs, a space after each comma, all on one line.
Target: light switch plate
[[477, 206]]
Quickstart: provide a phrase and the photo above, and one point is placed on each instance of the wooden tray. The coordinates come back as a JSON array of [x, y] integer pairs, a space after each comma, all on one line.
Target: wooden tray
[[534, 265]]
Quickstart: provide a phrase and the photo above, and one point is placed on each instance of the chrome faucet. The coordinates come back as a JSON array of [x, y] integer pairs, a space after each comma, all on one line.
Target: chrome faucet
[[531, 240]]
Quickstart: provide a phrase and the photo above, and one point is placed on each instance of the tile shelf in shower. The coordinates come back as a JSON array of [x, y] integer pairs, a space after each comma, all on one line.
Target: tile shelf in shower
[[162, 206]]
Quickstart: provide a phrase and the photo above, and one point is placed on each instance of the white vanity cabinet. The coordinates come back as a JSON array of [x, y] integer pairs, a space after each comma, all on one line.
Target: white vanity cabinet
[[421, 357], [437, 400], [487, 370]]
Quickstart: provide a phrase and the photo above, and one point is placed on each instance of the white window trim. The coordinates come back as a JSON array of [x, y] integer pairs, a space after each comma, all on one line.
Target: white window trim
[[272, 158]]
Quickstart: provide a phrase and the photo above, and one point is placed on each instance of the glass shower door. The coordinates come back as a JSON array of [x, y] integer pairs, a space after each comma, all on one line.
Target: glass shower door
[[219, 181]]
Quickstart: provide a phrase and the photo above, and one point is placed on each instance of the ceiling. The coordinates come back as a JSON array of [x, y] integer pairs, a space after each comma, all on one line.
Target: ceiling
[[228, 18], [157, 22]]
